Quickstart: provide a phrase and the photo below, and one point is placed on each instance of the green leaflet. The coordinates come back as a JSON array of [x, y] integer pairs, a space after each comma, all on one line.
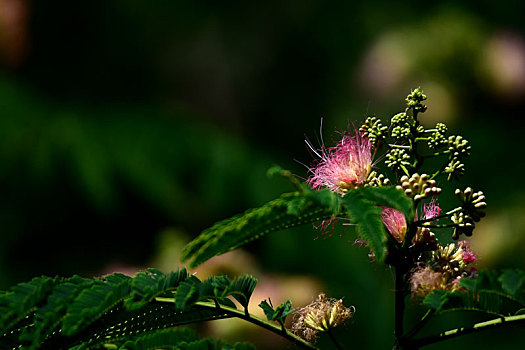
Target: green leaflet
[[279, 313], [290, 210], [122, 325], [21, 300], [389, 197], [145, 286], [242, 289], [94, 301], [183, 339], [54, 313], [161, 339], [494, 293], [217, 288], [49, 317], [367, 216]]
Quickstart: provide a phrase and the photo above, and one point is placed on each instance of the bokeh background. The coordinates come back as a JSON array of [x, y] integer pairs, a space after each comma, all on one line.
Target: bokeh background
[[127, 127]]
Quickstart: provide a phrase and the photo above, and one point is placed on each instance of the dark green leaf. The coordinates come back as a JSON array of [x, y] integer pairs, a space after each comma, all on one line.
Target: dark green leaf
[[22, 299], [96, 300], [512, 280], [367, 216], [242, 289], [290, 210], [389, 197], [145, 286], [278, 314], [165, 338]]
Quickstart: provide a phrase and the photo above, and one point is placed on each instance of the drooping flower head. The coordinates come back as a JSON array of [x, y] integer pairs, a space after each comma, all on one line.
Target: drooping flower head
[[344, 166], [395, 223], [320, 316]]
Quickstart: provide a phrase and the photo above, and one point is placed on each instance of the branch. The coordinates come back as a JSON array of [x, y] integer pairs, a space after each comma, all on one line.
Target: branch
[[491, 324], [252, 319]]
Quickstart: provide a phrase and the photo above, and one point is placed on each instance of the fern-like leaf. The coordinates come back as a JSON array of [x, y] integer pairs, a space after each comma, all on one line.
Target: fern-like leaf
[[494, 293], [48, 318], [23, 299], [145, 286], [290, 210], [166, 338], [93, 302], [242, 289]]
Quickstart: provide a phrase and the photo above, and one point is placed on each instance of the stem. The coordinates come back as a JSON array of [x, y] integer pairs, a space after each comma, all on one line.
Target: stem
[[250, 318], [400, 146], [334, 340], [438, 226], [447, 214], [399, 303], [404, 170], [424, 320], [491, 324]]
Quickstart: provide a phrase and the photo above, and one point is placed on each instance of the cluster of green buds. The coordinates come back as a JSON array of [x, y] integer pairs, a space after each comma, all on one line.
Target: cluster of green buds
[[472, 210], [414, 100], [408, 144], [374, 130], [406, 138]]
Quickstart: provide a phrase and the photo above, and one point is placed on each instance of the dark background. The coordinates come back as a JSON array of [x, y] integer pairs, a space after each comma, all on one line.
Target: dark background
[[127, 127]]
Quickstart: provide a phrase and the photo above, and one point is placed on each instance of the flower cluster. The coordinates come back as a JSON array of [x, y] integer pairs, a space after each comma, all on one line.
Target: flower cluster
[[449, 264], [348, 165]]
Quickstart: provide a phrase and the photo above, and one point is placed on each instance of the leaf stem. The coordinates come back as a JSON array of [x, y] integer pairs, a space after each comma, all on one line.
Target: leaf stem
[[252, 319], [334, 340]]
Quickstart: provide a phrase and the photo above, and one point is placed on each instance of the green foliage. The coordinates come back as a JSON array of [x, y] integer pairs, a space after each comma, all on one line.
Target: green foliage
[[94, 301], [52, 313], [495, 293], [389, 197], [148, 285], [367, 216], [290, 210], [279, 313], [168, 338], [242, 289], [22, 299], [297, 208]]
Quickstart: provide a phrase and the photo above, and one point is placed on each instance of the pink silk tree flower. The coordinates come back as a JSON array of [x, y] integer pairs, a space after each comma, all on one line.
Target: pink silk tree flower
[[344, 166], [395, 223]]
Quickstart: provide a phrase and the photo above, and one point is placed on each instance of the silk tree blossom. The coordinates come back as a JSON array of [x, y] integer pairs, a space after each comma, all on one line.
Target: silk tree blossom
[[344, 166], [322, 315], [396, 224], [450, 264], [431, 210]]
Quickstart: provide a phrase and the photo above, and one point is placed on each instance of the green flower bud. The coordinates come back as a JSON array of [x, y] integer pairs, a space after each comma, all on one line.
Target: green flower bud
[[396, 158], [373, 129], [458, 147]]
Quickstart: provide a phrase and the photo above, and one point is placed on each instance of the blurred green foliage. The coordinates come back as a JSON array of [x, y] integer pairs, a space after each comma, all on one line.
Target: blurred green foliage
[[124, 118]]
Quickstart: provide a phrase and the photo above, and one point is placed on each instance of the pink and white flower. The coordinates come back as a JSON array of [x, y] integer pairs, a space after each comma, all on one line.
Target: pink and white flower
[[344, 166]]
